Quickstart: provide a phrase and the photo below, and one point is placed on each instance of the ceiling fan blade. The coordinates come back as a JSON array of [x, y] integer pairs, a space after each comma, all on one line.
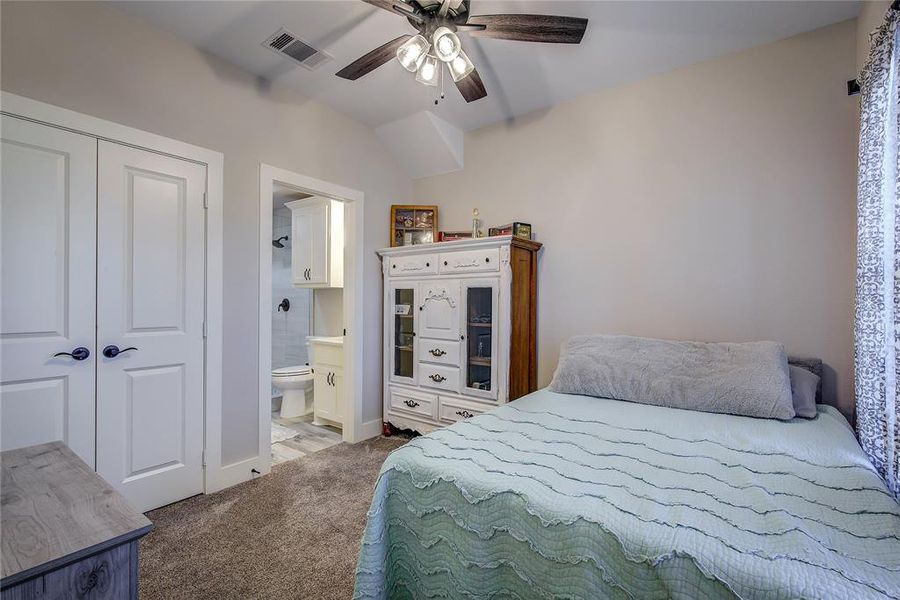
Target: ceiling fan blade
[[398, 7], [471, 87], [371, 61], [530, 28]]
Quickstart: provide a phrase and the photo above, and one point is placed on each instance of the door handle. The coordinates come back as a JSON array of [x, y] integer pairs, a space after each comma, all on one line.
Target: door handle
[[465, 414], [437, 378], [79, 353], [113, 351], [437, 352], [411, 403]]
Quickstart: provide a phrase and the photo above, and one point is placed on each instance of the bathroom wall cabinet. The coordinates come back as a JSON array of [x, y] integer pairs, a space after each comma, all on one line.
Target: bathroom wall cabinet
[[317, 242], [460, 329]]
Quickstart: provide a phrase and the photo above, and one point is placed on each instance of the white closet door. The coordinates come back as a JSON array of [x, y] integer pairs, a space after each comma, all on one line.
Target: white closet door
[[150, 257], [48, 216]]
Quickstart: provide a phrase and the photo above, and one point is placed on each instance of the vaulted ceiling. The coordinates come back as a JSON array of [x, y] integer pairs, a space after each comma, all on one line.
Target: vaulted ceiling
[[625, 41]]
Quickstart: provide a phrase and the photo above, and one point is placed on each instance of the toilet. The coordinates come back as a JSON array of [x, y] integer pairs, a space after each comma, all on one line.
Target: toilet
[[295, 385]]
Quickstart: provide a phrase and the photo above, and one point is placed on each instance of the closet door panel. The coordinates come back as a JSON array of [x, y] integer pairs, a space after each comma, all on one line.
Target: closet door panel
[[151, 298], [48, 286]]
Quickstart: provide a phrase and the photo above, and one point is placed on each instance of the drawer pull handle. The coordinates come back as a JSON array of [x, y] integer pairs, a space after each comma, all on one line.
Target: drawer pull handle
[[437, 352], [465, 414], [411, 403], [437, 378]]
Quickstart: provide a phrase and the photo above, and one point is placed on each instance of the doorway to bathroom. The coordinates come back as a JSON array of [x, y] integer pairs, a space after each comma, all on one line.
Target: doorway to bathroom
[[310, 315], [303, 315]]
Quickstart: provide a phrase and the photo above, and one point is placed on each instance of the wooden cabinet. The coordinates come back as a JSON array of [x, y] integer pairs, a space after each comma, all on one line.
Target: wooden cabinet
[[67, 533], [460, 329], [328, 380], [317, 242]]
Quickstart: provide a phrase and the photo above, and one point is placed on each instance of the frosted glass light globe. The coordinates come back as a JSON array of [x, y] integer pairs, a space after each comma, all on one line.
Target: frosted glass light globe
[[446, 44]]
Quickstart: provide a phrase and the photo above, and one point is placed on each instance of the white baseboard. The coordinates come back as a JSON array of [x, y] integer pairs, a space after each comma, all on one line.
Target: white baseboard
[[235, 473], [370, 429]]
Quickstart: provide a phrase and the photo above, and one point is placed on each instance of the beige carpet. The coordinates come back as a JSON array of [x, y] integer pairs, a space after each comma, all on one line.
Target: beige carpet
[[292, 534]]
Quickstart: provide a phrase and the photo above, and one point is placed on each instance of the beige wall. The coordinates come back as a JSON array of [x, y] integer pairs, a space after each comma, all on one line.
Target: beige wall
[[871, 15], [715, 202], [108, 65]]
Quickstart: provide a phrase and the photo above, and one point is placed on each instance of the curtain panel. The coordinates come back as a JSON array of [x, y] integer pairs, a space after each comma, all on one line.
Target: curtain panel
[[877, 325]]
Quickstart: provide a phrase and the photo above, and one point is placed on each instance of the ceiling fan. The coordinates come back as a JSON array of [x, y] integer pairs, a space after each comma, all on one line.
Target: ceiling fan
[[438, 21]]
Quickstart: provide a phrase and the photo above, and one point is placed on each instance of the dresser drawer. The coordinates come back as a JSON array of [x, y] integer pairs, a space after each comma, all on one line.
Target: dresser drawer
[[470, 261], [416, 403], [451, 410], [402, 266], [439, 351], [439, 377]]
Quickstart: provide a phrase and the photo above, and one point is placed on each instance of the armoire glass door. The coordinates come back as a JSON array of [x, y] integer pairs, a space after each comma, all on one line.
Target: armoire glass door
[[404, 332], [480, 344]]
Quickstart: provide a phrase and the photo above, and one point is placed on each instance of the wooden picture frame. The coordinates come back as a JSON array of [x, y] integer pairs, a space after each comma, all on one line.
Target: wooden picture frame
[[413, 224]]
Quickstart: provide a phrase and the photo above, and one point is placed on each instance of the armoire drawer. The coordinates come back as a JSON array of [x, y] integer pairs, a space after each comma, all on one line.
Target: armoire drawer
[[417, 403], [439, 377], [451, 410], [439, 351], [405, 266], [470, 261]]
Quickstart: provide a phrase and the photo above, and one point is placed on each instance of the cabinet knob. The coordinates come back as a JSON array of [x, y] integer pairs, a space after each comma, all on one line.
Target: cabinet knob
[[437, 378], [464, 414], [411, 403], [437, 352]]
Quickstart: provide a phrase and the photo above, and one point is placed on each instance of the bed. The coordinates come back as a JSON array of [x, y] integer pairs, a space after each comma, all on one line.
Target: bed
[[567, 496]]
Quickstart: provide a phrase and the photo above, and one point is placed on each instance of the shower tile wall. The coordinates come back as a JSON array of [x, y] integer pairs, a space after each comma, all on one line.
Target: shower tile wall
[[289, 330]]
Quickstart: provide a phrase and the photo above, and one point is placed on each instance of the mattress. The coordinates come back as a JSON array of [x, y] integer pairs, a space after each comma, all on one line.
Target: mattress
[[565, 496]]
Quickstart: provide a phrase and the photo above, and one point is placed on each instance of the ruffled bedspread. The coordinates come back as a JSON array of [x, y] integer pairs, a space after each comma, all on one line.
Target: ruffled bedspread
[[561, 496]]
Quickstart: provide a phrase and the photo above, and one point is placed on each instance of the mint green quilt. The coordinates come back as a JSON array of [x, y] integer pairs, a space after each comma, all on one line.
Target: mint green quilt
[[562, 496]]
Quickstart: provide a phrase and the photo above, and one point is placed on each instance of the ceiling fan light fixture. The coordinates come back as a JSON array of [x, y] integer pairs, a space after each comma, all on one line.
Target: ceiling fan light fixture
[[460, 67], [412, 53], [446, 44], [429, 71]]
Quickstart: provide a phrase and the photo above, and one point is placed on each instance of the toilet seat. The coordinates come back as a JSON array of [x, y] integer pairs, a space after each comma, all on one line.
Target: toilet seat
[[292, 371]]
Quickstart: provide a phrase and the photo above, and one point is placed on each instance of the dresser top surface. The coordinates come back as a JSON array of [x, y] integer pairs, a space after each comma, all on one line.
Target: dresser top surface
[[465, 244], [54, 508]]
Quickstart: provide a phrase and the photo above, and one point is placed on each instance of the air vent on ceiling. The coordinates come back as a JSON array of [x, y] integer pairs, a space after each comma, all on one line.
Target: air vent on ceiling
[[285, 43]]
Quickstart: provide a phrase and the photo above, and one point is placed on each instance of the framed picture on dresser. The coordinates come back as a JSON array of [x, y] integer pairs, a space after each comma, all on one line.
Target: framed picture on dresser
[[413, 224]]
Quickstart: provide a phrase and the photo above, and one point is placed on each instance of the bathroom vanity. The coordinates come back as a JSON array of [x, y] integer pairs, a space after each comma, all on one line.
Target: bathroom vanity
[[327, 358], [460, 329]]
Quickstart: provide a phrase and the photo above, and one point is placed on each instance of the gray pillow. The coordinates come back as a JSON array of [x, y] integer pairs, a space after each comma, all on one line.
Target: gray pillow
[[750, 379], [803, 389]]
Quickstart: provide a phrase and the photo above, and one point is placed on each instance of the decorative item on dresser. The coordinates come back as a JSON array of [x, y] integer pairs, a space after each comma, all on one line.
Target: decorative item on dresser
[[460, 329], [413, 224], [66, 532]]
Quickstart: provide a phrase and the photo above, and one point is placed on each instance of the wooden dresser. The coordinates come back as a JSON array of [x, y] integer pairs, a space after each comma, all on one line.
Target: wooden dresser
[[460, 329], [65, 532]]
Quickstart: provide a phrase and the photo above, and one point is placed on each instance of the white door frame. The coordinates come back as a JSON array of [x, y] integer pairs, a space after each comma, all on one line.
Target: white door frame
[[353, 305], [62, 118]]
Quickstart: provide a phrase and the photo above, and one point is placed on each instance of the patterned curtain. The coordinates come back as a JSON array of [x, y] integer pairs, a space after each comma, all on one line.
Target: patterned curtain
[[878, 255]]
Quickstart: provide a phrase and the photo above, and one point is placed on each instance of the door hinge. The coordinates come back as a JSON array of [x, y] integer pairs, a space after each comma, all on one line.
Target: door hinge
[[203, 457], [205, 200]]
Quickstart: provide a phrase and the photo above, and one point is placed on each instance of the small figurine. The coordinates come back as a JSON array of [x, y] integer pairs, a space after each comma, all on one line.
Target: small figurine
[[475, 223]]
